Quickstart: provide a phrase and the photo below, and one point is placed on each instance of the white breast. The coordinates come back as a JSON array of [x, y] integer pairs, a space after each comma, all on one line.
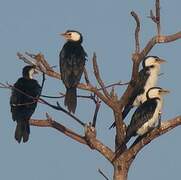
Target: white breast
[[151, 82], [153, 122]]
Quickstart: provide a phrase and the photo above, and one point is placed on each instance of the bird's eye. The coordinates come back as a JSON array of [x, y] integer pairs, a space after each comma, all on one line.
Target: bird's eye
[[152, 66]]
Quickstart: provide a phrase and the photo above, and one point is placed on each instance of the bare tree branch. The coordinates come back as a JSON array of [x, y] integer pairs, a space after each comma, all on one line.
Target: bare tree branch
[[86, 76], [97, 75], [137, 30], [103, 174], [157, 6], [98, 104], [51, 123], [94, 143]]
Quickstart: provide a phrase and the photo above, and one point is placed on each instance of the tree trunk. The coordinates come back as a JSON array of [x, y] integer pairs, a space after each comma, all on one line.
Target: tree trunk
[[120, 173]]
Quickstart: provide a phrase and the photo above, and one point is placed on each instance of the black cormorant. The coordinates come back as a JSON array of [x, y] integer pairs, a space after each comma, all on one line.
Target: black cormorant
[[23, 102], [147, 115], [72, 60], [147, 78]]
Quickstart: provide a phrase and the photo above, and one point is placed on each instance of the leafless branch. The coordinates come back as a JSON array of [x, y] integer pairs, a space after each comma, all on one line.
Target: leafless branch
[[49, 122], [98, 104], [103, 174], [156, 18], [157, 6], [40, 63], [137, 30], [86, 76], [97, 75], [94, 143]]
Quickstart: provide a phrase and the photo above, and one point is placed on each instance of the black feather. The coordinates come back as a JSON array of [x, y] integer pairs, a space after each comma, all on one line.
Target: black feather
[[72, 62], [22, 106], [142, 114], [139, 89]]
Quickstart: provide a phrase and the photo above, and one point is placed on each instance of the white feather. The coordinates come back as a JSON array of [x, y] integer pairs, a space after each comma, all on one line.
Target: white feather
[[153, 122], [151, 82]]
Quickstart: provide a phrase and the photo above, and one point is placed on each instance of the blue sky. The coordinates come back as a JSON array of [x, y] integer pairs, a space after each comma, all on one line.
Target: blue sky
[[108, 30]]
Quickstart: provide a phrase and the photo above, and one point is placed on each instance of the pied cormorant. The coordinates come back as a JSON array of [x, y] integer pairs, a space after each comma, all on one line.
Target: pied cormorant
[[147, 78], [147, 115], [22, 103], [72, 60]]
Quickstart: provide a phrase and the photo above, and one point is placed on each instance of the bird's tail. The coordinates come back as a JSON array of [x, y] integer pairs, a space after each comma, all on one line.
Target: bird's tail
[[71, 99], [22, 131], [124, 114], [126, 110]]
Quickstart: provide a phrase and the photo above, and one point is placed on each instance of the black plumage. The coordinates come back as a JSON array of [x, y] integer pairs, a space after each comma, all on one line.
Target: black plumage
[[22, 103], [147, 115], [147, 78], [72, 60], [142, 114]]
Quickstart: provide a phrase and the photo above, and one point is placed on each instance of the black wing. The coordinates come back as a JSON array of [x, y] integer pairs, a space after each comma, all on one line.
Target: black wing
[[139, 88], [23, 106], [72, 61], [142, 114]]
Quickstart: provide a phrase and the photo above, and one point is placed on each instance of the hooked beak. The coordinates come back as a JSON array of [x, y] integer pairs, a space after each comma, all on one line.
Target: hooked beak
[[161, 61], [164, 91]]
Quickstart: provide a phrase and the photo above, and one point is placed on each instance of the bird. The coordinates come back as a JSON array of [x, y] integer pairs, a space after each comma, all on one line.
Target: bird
[[72, 60], [23, 102], [147, 78], [147, 116]]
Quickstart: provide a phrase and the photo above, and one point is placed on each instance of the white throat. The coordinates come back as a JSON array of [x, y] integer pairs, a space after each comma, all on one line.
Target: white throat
[[31, 73], [75, 36]]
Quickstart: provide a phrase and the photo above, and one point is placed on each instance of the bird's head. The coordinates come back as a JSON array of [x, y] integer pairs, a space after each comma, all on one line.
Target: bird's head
[[156, 92], [29, 71], [72, 35], [152, 61]]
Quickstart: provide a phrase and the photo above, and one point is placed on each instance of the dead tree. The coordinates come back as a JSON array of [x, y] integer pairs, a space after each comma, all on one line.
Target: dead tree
[[122, 162]]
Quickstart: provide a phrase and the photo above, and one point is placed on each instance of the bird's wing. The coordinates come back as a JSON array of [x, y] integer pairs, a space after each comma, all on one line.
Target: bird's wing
[[72, 66], [15, 95], [139, 88], [142, 114]]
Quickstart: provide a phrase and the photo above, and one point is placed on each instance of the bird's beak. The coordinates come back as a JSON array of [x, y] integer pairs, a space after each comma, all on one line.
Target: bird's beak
[[65, 35], [164, 91], [161, 61]]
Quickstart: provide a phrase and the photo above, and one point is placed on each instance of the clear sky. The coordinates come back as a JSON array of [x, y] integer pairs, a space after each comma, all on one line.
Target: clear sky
[[108, 30]]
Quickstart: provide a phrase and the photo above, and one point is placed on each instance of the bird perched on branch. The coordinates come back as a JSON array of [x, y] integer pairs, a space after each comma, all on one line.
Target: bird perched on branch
[[23, 102], [147, 115], [147, 78], [72, 60]]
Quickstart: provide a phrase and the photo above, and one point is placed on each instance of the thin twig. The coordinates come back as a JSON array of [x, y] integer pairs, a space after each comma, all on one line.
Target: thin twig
[[86, 76], [97, 75], [157, 6], [156, 18], [100, 171], [98, 104]]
